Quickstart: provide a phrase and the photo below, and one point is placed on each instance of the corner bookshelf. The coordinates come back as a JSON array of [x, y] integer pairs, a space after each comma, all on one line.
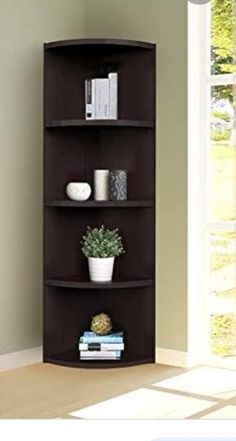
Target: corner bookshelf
[[73, 148]]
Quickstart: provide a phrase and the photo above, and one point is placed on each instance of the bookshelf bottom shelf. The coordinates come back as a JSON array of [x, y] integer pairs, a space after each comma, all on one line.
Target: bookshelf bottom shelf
[[71, 359]]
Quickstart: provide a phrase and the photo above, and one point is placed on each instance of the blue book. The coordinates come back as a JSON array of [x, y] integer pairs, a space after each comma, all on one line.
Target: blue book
[[92, 337]]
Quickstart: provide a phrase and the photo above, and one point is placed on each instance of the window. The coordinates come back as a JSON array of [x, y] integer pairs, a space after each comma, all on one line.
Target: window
[[212, 182], [222, 180]]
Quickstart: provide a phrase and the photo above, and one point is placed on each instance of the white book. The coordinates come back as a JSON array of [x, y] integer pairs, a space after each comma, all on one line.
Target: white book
[[99, 354], [113, 94], [100, 358], [102, 98], [101, 346], [90, 99]]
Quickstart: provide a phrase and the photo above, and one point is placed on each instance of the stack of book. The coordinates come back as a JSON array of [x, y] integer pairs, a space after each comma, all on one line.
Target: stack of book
[[101, 347], [101, 97]]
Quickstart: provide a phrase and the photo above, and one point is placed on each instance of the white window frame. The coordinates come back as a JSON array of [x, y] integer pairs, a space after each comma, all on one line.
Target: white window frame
[[200, 82]]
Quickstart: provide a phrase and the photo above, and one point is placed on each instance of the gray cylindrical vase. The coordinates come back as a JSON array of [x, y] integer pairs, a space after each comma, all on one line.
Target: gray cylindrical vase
[[118, 185]]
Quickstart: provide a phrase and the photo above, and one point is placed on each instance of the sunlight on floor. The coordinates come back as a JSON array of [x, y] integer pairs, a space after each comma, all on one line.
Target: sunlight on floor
[[205, 392], [144, 404], [227, 413], [206, 381]]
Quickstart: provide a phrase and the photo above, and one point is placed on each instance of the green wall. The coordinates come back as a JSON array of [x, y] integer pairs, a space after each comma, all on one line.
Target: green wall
[[163, 22], [24, 26]]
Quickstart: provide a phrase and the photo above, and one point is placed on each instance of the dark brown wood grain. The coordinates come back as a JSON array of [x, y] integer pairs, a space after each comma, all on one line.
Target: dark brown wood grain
[[73, 148], [100, 42], [75, 282], [99, 204], [99, 123], [71, 358]]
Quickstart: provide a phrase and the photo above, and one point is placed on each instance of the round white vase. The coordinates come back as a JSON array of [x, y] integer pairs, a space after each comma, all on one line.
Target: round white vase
[[101, 268], [78, 191]]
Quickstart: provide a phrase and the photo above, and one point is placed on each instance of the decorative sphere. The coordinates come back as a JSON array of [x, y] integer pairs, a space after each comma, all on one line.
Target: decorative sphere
[[78, 191], [101, 324]]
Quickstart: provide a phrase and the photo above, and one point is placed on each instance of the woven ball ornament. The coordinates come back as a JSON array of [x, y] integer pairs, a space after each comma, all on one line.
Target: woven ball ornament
[[101, 324]]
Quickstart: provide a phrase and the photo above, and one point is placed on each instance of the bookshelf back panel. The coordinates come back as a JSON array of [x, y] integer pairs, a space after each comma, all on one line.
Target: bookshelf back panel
[[69, 312], [72, 154], [132, 150], [65, 229], [67, 70]]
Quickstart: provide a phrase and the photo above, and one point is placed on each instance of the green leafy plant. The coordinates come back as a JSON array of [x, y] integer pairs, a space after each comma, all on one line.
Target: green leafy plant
[[225, 116], [220, 136], [223, 331], [101, 242]]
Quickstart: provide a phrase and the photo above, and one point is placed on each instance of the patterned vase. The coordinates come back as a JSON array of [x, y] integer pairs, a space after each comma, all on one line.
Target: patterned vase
[[118, 185]]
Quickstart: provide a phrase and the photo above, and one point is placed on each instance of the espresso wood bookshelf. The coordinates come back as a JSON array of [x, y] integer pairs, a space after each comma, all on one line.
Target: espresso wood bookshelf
[[73, 148]]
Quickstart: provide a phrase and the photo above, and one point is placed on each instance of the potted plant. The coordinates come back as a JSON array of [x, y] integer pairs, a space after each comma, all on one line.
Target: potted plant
[[101, 246]]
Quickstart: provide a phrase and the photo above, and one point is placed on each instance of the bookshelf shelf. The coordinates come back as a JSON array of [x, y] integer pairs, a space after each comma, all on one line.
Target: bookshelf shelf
[[96, 204], [114, 44], [74, 282], [71, 358], [99, 123], [73, 149]]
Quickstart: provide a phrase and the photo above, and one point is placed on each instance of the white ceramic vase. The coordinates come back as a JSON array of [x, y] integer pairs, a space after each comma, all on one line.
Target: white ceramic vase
[[78, 191], [101, 269]]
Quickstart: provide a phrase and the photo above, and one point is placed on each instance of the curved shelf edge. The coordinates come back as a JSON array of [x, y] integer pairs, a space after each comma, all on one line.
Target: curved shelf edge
[[99, 41], [96, 204], [94, 364], [75, 284], [99, 123]]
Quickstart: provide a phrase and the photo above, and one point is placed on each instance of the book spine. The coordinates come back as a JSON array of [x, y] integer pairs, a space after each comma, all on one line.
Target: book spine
[[100, 354], [102, 98], [93, 334], [113, 95], [90, 99], [100, 358], [101, 346], [101, 340]]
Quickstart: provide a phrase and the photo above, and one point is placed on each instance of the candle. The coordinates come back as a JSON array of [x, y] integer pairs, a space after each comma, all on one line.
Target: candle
[[101, 185]]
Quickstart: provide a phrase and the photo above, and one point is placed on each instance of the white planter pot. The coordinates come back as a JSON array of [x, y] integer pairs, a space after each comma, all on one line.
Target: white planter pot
[[101, 269]]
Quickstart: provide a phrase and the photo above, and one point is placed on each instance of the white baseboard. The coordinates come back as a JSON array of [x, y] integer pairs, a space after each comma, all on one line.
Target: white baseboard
[[173, 358], [22, 358], [14, 360]]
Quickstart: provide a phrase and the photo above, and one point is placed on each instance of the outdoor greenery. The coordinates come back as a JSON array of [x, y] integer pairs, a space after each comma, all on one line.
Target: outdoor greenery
[[226, 235], [222, 177], [221, 260], [220, 136], [223, 37], [223, 248], [101, 242], [224, 334], [223, 238], [221, 115], [222, 47]]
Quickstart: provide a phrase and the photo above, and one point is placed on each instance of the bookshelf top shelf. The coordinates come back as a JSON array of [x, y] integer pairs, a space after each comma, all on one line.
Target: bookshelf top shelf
[[99, 42], [99, 123]]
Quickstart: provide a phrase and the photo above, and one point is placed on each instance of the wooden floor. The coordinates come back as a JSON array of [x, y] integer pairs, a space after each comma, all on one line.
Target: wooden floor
[[148, 391]]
